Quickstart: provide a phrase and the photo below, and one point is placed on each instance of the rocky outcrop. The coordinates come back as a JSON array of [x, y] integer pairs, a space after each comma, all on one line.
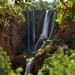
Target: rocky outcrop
[[10, 39], [11, 42], [47, 48]]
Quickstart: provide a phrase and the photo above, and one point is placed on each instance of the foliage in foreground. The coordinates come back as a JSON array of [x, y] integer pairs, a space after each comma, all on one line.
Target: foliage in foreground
[[10, 15], [65, 12], [3, 2], [60, 63], [5, 65]]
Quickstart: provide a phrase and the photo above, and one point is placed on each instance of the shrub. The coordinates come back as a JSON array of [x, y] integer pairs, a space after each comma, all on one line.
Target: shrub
[[5, 65], [60, 63], [10, 15], [3, 2]]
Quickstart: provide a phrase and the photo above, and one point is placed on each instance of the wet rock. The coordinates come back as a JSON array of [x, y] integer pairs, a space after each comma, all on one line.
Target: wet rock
[[47, 48]]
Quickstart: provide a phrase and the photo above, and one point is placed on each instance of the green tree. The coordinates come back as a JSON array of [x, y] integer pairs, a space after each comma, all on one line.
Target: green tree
[[3, 2], [5, 65]]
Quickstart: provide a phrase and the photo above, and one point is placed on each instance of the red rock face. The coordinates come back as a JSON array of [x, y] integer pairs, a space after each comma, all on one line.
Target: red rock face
[[11, 39], [15, 40], [67, 34]]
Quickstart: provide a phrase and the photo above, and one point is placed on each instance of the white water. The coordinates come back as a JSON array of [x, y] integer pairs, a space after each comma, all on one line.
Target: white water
[[45, 27], [53, 23], [28, 65], [44, 34]]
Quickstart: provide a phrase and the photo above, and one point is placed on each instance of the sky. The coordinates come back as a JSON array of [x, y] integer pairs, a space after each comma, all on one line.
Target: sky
[[50, 0], [46, 0]]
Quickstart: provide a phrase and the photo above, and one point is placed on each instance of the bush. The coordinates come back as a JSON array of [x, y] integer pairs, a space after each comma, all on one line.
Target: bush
[[5, 65], [60, 63], [10, 15], [3, 2]]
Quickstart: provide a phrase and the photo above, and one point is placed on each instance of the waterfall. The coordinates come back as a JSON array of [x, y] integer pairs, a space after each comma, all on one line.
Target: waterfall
[[28, 65], [53, 23], [28, 31], [31, 31], [49, 17], [44, 34], [45, 27]]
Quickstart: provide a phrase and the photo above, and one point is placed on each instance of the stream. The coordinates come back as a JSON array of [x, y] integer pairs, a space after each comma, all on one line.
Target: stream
[[28, 65]]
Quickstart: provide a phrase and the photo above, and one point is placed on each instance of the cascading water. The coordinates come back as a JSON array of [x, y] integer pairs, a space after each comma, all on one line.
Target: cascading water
[[44, 34], [31, 31], [31, 38], [28, 66], [53, 26], [53, 22]]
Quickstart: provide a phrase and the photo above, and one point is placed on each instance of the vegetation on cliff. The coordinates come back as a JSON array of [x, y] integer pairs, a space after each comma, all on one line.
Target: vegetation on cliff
[[62, 61], [10, 15], [56, 58], [5, 65], [59, 63]]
